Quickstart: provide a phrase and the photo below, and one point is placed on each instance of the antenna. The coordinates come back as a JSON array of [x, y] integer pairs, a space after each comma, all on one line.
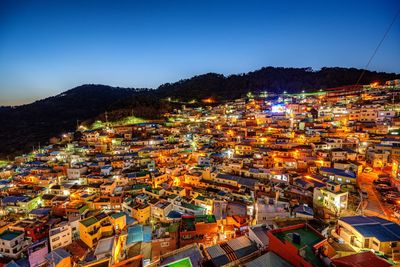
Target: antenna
[[378, 46]]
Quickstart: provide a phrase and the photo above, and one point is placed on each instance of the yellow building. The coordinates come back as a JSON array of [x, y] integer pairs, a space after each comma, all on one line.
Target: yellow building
[[92, 229], [242, 149], [141, 213]]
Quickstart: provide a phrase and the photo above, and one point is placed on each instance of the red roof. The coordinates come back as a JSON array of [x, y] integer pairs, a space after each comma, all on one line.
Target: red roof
[[364, 259]]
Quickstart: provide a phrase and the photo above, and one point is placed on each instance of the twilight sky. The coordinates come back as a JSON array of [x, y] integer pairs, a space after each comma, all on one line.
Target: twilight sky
[[47, 47]]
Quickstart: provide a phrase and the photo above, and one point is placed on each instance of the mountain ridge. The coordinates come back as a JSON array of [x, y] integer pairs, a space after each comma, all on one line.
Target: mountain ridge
[[26, 125]]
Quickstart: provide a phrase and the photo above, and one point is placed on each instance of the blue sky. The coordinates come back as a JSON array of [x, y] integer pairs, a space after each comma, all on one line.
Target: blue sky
[[47, 47]]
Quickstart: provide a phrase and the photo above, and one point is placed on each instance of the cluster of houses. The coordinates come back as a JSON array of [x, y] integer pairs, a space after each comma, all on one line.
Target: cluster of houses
[[269, 180]]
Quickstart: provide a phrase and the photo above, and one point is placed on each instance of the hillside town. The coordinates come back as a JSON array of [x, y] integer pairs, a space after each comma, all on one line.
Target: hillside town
[[307, 179]]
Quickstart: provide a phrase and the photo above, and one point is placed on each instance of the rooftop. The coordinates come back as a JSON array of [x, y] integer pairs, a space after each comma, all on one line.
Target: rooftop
[[89, 221], [373, 226], [308, 238], [185, 262], [10, 235]]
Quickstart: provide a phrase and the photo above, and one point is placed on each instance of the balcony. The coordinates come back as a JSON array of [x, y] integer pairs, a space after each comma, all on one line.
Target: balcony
[[94, 231]]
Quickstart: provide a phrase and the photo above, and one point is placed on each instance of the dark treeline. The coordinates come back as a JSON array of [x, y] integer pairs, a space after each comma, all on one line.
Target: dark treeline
[[23, 127]]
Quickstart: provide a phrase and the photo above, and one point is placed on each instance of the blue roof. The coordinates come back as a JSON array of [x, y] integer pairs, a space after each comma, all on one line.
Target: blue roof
[[373, 226], [344, 173], [301, 182], [4, 182], [57, 255], [14, 199], [41, 211], [304, 209], [138, 233], [174, 214]]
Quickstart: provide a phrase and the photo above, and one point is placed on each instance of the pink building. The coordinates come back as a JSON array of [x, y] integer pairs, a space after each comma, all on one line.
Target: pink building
[[37, 252]]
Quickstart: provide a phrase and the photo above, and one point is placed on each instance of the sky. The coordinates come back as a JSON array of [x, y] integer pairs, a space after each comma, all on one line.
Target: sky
[[50, 46]]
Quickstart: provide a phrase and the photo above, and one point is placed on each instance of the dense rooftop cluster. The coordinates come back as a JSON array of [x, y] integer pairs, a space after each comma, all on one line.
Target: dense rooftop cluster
[[307, 179]]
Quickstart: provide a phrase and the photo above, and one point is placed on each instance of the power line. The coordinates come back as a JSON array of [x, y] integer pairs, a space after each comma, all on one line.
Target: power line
[[378, 46]]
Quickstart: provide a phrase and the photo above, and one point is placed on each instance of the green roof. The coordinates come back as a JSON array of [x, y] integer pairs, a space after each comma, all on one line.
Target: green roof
[[141, 186], [10, 235], [173, 227], [185, 262], [192, 206], [202, 198], [205, 218], [89, 221], [308, 239], [117, 215]]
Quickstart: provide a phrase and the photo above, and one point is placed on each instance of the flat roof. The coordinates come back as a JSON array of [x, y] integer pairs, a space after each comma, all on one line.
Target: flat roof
[[308, 239], [89, 221], [185, 262], [372, 226], [10, 235]]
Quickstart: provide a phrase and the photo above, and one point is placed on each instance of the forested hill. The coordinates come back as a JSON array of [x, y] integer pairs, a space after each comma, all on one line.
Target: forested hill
[[25, 126]]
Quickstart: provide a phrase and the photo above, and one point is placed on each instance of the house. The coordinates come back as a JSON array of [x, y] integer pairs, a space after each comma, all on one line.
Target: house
[[93, 228], [37, 252], [35, 229], [60, 235], [231, 252], [365, 259], [300, 245], [106, 170], [268, 259], [20, 204], [59, 258], [331, 197], [12, 244], [161, 209], [76, 172], [199, 229], [339, 176], [377, 158], [258, 234], [243, 149], [141, 212], [267, 209], [370, 232], [107, 188], [190, 255]]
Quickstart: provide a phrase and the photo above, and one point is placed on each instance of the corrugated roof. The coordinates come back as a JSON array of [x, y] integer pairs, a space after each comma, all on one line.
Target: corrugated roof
[[373, 226], [239, 243], [215, 251], [269, 259]]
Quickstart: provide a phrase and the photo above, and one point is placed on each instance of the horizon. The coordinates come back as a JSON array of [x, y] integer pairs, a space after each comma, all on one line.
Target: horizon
[[155, 88], [49, 47]]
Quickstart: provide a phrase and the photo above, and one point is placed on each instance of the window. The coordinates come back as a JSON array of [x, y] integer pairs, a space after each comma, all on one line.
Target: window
[[165, 244], [55, 239]]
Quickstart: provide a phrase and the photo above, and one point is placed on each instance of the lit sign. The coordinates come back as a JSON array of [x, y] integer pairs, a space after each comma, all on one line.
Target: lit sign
[[278, 109]]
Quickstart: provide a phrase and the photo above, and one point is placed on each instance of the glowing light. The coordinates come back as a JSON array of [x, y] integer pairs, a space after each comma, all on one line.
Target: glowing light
[[278, 109], [208, 100]]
